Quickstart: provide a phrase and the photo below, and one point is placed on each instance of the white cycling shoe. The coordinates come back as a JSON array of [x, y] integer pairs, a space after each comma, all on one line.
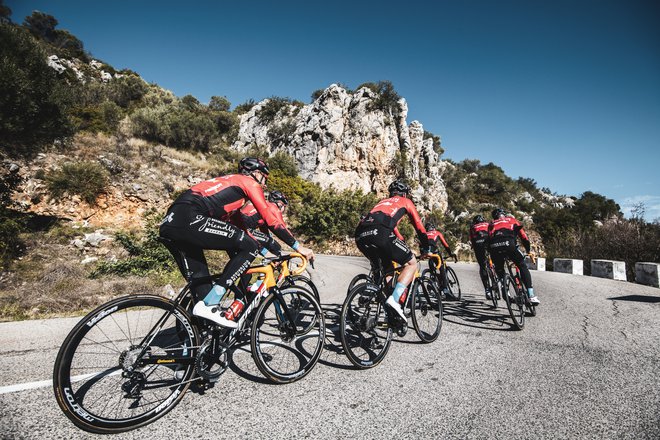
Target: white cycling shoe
[[213, 313], [394, 305], [534, 300]]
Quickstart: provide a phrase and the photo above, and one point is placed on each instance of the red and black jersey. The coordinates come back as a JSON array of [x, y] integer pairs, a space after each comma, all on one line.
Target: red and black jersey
[[507, 227], [223, 196], [436, 237], [249, 218], [479, 233], [389, 212]]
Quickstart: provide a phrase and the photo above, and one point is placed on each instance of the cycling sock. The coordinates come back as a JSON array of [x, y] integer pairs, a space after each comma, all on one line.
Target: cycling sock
[[530, 292], [398, 291], [215, 295]]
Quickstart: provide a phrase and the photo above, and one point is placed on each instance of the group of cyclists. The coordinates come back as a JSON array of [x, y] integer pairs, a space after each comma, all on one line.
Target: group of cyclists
[[232, 213]]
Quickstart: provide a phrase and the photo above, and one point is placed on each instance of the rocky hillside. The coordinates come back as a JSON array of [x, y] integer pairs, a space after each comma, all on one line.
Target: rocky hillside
[[341, 140]]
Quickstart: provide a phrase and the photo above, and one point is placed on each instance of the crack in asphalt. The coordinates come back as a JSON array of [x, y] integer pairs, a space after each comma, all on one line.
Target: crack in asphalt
[[615, 307]]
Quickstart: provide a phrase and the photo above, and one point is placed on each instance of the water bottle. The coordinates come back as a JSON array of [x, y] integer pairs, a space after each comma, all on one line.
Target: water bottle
[[234, 310]]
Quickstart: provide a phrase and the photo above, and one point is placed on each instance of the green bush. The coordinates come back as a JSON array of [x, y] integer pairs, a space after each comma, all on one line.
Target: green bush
[[245, 107], [436, 142], [33, 102], [267, 113], [85, 179], [219, 104], [146, 253], [282, 134]]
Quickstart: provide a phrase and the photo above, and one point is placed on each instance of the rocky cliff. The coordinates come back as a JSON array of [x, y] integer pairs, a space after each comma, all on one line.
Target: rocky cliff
[[341, 140]]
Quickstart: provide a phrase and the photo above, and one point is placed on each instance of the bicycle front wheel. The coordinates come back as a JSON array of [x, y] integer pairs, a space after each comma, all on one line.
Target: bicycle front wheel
[[125, 364], [361, 278], [453, 285], [288, 334], [305, 282], [427, 310], [363, 327], [515, 303]]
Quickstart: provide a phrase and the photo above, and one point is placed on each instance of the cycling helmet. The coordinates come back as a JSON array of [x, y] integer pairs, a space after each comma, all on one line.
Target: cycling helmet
[[277, 196], [478, 219], [429, 226], [248, 165], [497, 213], [399, 187]]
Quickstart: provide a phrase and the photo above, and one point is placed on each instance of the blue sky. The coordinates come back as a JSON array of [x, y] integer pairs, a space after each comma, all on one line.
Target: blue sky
[[565, 92]]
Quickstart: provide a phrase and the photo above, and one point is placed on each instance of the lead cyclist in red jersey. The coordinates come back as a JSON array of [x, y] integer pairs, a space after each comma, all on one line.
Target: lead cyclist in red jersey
[[376, 238], [503, 233], [199, 219]]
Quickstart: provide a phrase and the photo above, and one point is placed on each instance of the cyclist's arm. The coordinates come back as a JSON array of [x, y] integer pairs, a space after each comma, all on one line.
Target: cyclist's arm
[[256, 195], [398, 234], [523, 236], [417, 224]]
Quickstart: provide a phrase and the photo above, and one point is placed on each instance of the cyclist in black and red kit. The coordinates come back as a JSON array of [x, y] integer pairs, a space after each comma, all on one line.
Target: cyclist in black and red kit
[[199, 219], [503, 232], [377, 240], [479, 241], [248, 219]]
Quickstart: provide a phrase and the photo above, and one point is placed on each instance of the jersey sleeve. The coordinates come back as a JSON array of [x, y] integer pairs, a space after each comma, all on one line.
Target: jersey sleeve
[[398, 234], [417, 223], [443, 241], [523, 236], [256, 195]]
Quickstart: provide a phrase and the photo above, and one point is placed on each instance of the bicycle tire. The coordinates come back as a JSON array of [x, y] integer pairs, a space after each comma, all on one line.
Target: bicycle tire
[[363, 328], [515, 304], [453, 285], [494, 289], [117, 334], [358, 279], [275, 337], [427, 310], [307, 283], [531, 308]]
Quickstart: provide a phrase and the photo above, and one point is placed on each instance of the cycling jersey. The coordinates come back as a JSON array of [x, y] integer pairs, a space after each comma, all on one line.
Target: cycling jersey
[[479, 233], [248, 218], [390, 211], [222, 196], [436, 237], [507, 228], [479, 240]]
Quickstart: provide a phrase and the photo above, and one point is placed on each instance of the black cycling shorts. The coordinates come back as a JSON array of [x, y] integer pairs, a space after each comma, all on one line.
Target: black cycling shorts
[[381, 246]]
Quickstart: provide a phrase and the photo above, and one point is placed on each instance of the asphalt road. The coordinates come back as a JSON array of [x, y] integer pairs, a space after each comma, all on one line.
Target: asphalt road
[[588, 366]]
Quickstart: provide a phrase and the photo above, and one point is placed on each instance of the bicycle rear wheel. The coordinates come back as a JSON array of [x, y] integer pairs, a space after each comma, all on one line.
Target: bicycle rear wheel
[[363, 327], [427, 310], [453, 285], [515, 303], [494, 289], [288, 334], [125, 364]]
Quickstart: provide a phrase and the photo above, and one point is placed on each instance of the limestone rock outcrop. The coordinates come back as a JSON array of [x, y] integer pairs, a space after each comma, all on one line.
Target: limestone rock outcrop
[[342, 140]]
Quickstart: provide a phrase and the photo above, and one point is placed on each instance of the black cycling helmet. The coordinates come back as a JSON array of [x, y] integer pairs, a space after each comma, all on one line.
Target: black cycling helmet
[[399, 187], [478, 219], [497, 213], [248, 165], [429, 226], [277, 196]]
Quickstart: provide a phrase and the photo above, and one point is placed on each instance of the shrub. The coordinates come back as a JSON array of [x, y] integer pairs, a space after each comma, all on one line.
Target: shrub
[[126, 90], [32, 101], [245, 107], [283, 163], [146, 253], [282, 134], [436, 142], [85, 179], [267, 113], [219, 104]]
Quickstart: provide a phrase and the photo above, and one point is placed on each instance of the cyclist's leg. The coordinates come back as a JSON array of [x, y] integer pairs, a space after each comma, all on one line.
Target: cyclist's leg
[[398, 251], [480, 254], [519, 259]]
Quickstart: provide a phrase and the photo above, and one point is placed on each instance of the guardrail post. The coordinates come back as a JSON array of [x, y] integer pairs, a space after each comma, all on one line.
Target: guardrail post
[[539, 265], [614, 270], [568, 265], [647, 273]]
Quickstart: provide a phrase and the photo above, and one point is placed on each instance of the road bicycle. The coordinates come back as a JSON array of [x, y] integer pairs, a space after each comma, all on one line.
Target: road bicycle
[[366, 323], [443, 276], [514, 292], [131, 360]]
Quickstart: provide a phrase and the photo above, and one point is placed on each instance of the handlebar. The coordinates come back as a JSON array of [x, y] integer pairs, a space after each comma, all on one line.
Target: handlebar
[[287, 257]]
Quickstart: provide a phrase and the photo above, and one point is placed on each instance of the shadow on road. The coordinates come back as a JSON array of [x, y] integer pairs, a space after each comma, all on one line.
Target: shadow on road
[[473, 311], [333, 354], [637, 298]]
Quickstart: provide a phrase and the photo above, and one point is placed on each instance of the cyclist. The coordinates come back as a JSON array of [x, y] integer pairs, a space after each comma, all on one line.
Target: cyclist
[[503, 232], [199, 219], [435, 238], [479, 241], [248, 219], [376, 239]]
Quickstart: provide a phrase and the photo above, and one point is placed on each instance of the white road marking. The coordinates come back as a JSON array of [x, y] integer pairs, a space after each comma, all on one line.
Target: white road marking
[[47, 383]]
